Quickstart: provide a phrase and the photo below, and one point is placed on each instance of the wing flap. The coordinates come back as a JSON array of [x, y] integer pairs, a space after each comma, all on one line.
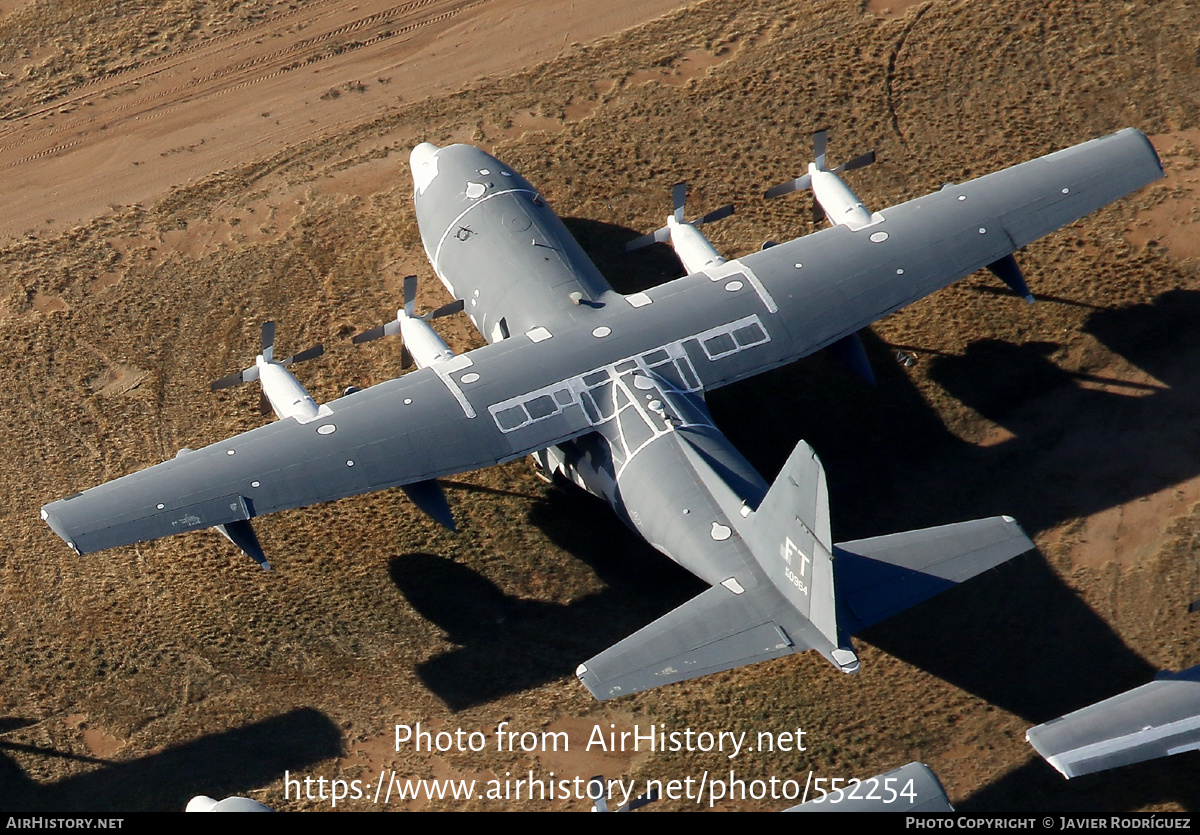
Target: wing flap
[[835, 282], [370, 440], [1077, 181], [179, 517]]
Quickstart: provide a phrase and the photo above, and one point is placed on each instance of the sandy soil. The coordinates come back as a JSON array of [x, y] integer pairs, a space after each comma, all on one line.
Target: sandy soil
[[179, 172], [298, 72]]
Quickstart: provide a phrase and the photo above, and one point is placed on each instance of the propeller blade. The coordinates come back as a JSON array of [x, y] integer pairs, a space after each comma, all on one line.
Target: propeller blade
[[367, 336], [799, 184], [227, 382], [312, 353], [410, 294], [597, 792], [268, 337], [640, 801], [264, 404], [446, 310], [406, 357], [820, 141], [715, 215], [678, 198], [658, 236], [858, 162]]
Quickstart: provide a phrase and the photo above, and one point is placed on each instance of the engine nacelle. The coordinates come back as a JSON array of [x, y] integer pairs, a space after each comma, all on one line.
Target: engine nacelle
[[287, 397], [693, 249], [841, 205], [422, 341]]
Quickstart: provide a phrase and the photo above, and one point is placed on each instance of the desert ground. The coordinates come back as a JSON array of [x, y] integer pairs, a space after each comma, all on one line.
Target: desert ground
[[178, 171]]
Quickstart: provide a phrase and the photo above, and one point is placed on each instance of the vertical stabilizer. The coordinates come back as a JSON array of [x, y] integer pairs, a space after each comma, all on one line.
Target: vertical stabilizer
[[789, 535]]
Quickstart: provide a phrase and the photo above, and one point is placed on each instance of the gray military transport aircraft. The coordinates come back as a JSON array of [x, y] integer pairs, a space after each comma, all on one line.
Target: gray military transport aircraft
[[608, 391]]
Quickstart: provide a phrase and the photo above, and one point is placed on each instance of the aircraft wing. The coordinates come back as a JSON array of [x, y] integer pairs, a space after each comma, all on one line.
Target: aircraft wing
[[1155, 720], [411, 429], [825, 286], [544, 387]]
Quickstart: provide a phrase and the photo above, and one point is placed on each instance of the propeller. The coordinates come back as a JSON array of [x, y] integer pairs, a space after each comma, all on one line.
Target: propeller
[[820, 143], [251, 374], [394, 327], [678, 200]]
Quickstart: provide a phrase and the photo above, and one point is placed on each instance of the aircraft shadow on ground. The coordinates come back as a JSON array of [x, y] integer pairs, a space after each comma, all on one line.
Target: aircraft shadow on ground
[[1037, 789], [627, 272], [1017, 637], [231, 762], [508, 644]]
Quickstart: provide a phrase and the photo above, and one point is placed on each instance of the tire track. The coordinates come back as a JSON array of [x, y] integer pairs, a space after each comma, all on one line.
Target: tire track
[[180, 91], [890, 76], [214, 43]]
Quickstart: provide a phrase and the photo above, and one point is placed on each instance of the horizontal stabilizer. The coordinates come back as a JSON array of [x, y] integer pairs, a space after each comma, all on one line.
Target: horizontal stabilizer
[[714, 631], [884, 575], [1155, 720]]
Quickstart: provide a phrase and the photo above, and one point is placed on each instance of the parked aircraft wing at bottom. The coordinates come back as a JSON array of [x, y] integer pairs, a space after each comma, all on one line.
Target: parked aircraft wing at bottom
[[1155, 720], [912, 788], [742, 621], [203, 803]]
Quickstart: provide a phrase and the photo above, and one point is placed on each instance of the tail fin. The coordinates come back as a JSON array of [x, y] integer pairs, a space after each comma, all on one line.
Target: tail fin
[[854, 585], [798, 591], [789, 536]]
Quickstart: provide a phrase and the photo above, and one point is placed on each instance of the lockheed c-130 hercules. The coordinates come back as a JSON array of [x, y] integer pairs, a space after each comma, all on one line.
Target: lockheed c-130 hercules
[[608, 391]]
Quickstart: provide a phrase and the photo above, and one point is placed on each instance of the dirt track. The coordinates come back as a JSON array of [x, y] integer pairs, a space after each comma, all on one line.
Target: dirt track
[[218, 165], [297, 72]]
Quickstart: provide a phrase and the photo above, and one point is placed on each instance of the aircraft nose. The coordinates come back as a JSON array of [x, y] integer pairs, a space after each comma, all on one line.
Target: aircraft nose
[[423, 162]]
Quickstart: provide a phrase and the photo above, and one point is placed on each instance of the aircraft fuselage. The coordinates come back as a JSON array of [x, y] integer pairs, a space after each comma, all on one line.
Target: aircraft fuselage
[[495, 242]]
